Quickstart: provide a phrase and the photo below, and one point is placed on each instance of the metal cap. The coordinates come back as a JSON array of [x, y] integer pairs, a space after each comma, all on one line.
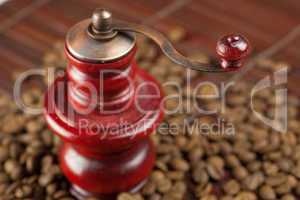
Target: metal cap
[[93, 40]]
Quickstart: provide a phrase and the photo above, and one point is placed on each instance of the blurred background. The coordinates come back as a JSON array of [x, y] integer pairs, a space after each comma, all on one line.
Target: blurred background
[[29, 28]]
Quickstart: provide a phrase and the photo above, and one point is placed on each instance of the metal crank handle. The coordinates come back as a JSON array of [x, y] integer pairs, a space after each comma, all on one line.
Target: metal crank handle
[[231, 49]]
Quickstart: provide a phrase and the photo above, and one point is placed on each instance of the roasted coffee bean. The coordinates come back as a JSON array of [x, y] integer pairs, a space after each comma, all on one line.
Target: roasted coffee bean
[[51, 188], [180, 164], [232, 187], [23, 191], [209, 197], [253, 181], [270, 168], [215, 167], [13, 168], [240, 172], [4, 178], [276, 180], [196, 154], [267, 192], [246, 196], [15, 149], [164, 185], [283, 189], [149, 188], [175, 175], [176, 192], [155, 196], [45, 179], [4, 153], [127, 196], [254, 166], [227, 197], [3, 188], [200, 176], [157, 176], [288, 197], [31, 164], [232, 161]]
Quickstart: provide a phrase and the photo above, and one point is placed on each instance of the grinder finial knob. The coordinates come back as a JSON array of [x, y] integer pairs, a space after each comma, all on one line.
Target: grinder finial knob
[[232, 50], [102, 20]]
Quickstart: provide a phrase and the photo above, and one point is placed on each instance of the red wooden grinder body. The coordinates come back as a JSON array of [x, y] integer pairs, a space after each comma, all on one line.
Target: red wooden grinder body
[[104, 112]]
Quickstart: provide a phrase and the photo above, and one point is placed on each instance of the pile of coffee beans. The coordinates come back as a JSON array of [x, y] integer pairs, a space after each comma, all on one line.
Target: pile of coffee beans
[[247, 161]]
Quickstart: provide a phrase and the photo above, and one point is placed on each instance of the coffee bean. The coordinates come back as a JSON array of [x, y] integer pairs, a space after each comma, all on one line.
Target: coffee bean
[[276, 180], [209, 197], [203, 190], [23, 191], [267, 192], [4, 153], [180, 164], [47, 163], [15, 150], [4, 178], [253, 181], [45, 179], [285, 164], [283, 189], [232, 161], [297, 188], [288, 197], [246, 156], [3, 188], [200, 176], [155, 197], [13, 168], [164, 185], [127, 196], [245, 196], [176, 192], [12, 187], [196, 154], [214, 172], [165, 148], [254, 166], [157, 176], [232, 187], [215, 167], [296, 171], [175, 175], [270, 168], [240, 172], [31, 164], [291, 181], [149, 188], [12, 123], [51, 188], [227, 197]]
